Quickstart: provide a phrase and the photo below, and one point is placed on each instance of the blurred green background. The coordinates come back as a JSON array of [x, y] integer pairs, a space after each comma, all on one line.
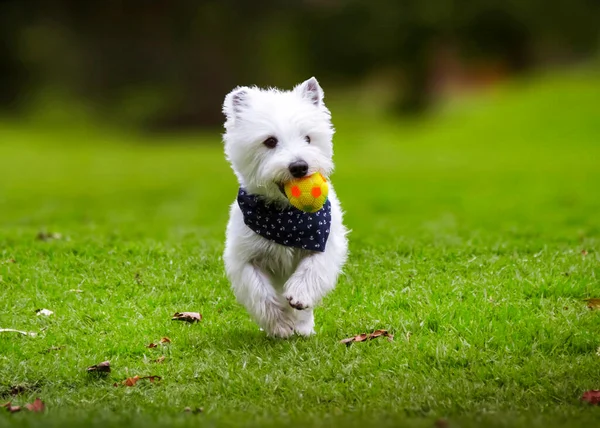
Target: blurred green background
[[166, 65], [467, 160]]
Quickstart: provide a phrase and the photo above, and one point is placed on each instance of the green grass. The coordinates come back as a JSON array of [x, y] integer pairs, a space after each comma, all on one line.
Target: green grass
[[467, 236]]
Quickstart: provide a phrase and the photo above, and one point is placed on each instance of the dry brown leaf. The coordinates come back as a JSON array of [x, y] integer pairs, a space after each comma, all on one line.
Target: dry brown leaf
[[593, 303], [10, 261], [361, 337], [592, 396], [138, 278], [165, 340], [584, 252], [159, 360], [37, 406], [348, 340], [18, 389], [103, 367], [131, 381], [368, 336], [12, 409], [21, 389], [152, 345], [195, 411], [187, 316]]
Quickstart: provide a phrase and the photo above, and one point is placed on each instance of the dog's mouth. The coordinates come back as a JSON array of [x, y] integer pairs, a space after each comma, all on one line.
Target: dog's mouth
[[281, 188]]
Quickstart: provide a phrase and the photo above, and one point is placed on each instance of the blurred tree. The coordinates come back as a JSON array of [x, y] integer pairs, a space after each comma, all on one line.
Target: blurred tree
[[13, 74], [168, 64]]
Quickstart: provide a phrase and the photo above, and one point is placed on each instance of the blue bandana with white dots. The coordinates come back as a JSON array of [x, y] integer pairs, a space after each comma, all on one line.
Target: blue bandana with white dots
[[290, 226]]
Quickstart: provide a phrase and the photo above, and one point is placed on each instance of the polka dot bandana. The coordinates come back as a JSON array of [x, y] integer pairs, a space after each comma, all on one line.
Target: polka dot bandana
[[290, 226]]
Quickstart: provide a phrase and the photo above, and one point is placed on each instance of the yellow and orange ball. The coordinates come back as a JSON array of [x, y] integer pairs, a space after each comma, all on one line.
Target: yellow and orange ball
[[309, 193]]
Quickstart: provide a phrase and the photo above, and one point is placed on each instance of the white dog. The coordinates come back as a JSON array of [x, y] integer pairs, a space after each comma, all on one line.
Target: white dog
[[281, 261]]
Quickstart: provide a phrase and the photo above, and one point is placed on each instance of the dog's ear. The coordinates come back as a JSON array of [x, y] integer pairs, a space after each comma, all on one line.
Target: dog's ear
[[236, 101], [311, 91]]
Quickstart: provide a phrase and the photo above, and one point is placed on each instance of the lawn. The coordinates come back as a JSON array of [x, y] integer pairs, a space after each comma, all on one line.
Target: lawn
[[475, 240]]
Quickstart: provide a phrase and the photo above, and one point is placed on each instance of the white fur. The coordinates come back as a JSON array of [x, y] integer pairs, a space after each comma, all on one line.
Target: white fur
[[269, 279]]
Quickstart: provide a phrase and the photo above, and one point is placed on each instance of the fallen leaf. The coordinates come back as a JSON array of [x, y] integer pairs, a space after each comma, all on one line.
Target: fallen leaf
[[165, 340], [152, 345], [44, 312], [584, 252], [368, 336], [11, 330], [408, 334], [10, 261], [73, 290], [187, 316], [36, 406], [131, 381], [592, 396], [159, 360], [12, 409], [45, 236], [138, 278], [361, 337], [195, 411], [103, 367], [593, 303], [18, 389], [21, 389]]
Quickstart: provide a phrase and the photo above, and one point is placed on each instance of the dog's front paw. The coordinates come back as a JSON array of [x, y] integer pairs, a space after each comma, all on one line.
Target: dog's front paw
[[297, 296], [304, 322], [281, 331], [297, 303]]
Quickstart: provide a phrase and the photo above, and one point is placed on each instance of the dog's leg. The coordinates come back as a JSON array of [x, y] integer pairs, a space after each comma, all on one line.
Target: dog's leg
[[254, 290], [313, 278], [316, 274], [305, 322]]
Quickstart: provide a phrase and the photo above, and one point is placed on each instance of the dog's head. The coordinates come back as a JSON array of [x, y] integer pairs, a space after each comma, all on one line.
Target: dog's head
[[273, 136]]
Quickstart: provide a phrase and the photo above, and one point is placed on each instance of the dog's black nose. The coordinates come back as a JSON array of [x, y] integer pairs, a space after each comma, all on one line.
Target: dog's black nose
[[298, 168]]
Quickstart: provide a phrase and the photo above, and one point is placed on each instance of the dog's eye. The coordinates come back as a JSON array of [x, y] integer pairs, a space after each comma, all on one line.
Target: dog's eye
[[307, 139], [270, 142]]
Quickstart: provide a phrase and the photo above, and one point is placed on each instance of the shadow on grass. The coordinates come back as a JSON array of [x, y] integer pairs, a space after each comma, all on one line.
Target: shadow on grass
[[253, 340]]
